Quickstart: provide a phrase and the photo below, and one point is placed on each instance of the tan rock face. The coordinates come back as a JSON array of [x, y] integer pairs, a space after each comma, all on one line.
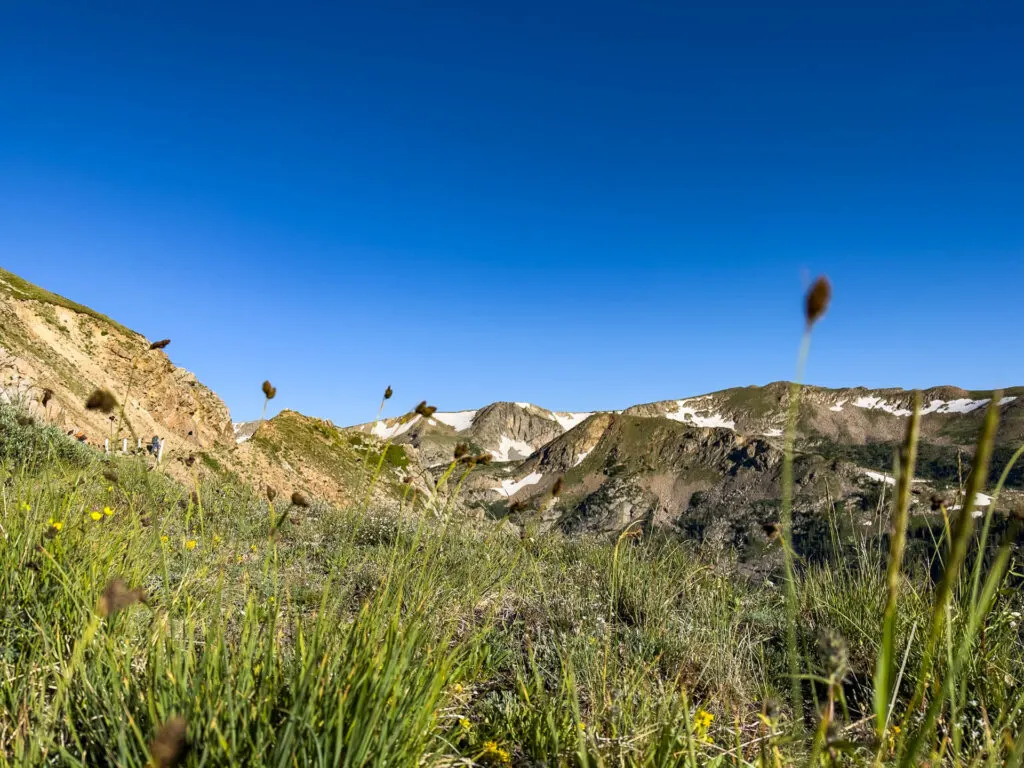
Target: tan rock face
[[46, 346], [55, 350]]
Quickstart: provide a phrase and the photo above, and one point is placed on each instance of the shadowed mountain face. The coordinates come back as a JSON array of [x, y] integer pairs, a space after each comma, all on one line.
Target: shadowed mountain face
[[708, 466]]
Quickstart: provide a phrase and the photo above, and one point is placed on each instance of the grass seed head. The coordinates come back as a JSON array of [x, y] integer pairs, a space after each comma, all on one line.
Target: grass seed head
[[271, 493], [483, 458], [388, 393], [817, 300], [269, 390], [47, 396], [170, 745], [772, 530], [424, 410], [101, 400], [299, 500], [461, 449], [160, 344], [117, 596]]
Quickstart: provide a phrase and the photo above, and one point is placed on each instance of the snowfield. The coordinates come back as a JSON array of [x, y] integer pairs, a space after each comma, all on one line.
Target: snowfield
[[512, 487], [384, 432], [507, 445], [457, 420], [962, 405], [689, 415], [569, 420]]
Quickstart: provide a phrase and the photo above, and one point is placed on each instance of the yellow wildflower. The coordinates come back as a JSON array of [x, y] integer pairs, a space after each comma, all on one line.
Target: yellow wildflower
[[701, 722], [96, 515], [108, 511], [894, 734], [464, 723], [216, 539], [191, 544], [458, 687], [583, 726], [25, 506], [56, 524], [164, 539], [110, 488], [494, 754], [252, 547]]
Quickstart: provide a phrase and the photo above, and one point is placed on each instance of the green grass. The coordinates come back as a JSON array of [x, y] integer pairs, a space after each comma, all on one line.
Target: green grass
[[20, 288], [342, 638]]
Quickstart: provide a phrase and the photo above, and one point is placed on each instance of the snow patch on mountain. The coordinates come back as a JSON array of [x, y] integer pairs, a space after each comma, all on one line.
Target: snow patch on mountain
[[961, 405], [689, 415], [512, 487], [580, 458], [384, 432], [507, 445], [873, 403], [838, 407], [569, 420], [879, 477], [457, 420]]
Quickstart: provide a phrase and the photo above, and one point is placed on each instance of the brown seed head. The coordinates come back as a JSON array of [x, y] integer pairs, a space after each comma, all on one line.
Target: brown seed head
[[269, 390], [170, 745], [407, 479], [189, 461], [461, 449], [388, 393], [47, 395], [556, 489], [937, 502], [772, 530], [817, 300], [299, 500], [424, 410], [160, 344], [117, 596], [101, 400], [483, 458], [271, 493]]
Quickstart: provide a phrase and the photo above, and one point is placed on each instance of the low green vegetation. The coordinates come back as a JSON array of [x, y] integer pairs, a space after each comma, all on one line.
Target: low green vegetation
[[20, 288], [295, 636]]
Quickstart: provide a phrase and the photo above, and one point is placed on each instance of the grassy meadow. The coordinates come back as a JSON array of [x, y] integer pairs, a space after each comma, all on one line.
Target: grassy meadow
[[145, 622]]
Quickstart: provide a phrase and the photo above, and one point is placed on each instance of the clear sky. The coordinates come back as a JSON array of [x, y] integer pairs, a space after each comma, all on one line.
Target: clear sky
[[580, 204]]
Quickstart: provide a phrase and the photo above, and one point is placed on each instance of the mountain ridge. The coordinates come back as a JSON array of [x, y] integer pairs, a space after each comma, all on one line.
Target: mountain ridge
[[707, 465]]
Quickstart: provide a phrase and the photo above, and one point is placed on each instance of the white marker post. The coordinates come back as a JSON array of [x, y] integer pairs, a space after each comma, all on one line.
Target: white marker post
[[106, 445], [124, 445], [160, 451]]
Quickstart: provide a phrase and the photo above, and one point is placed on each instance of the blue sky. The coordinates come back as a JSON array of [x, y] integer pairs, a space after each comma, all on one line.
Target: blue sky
[[583, 205]]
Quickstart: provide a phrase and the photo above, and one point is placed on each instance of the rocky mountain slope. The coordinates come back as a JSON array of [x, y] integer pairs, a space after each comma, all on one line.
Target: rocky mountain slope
[[708, 466], [54, 353]]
